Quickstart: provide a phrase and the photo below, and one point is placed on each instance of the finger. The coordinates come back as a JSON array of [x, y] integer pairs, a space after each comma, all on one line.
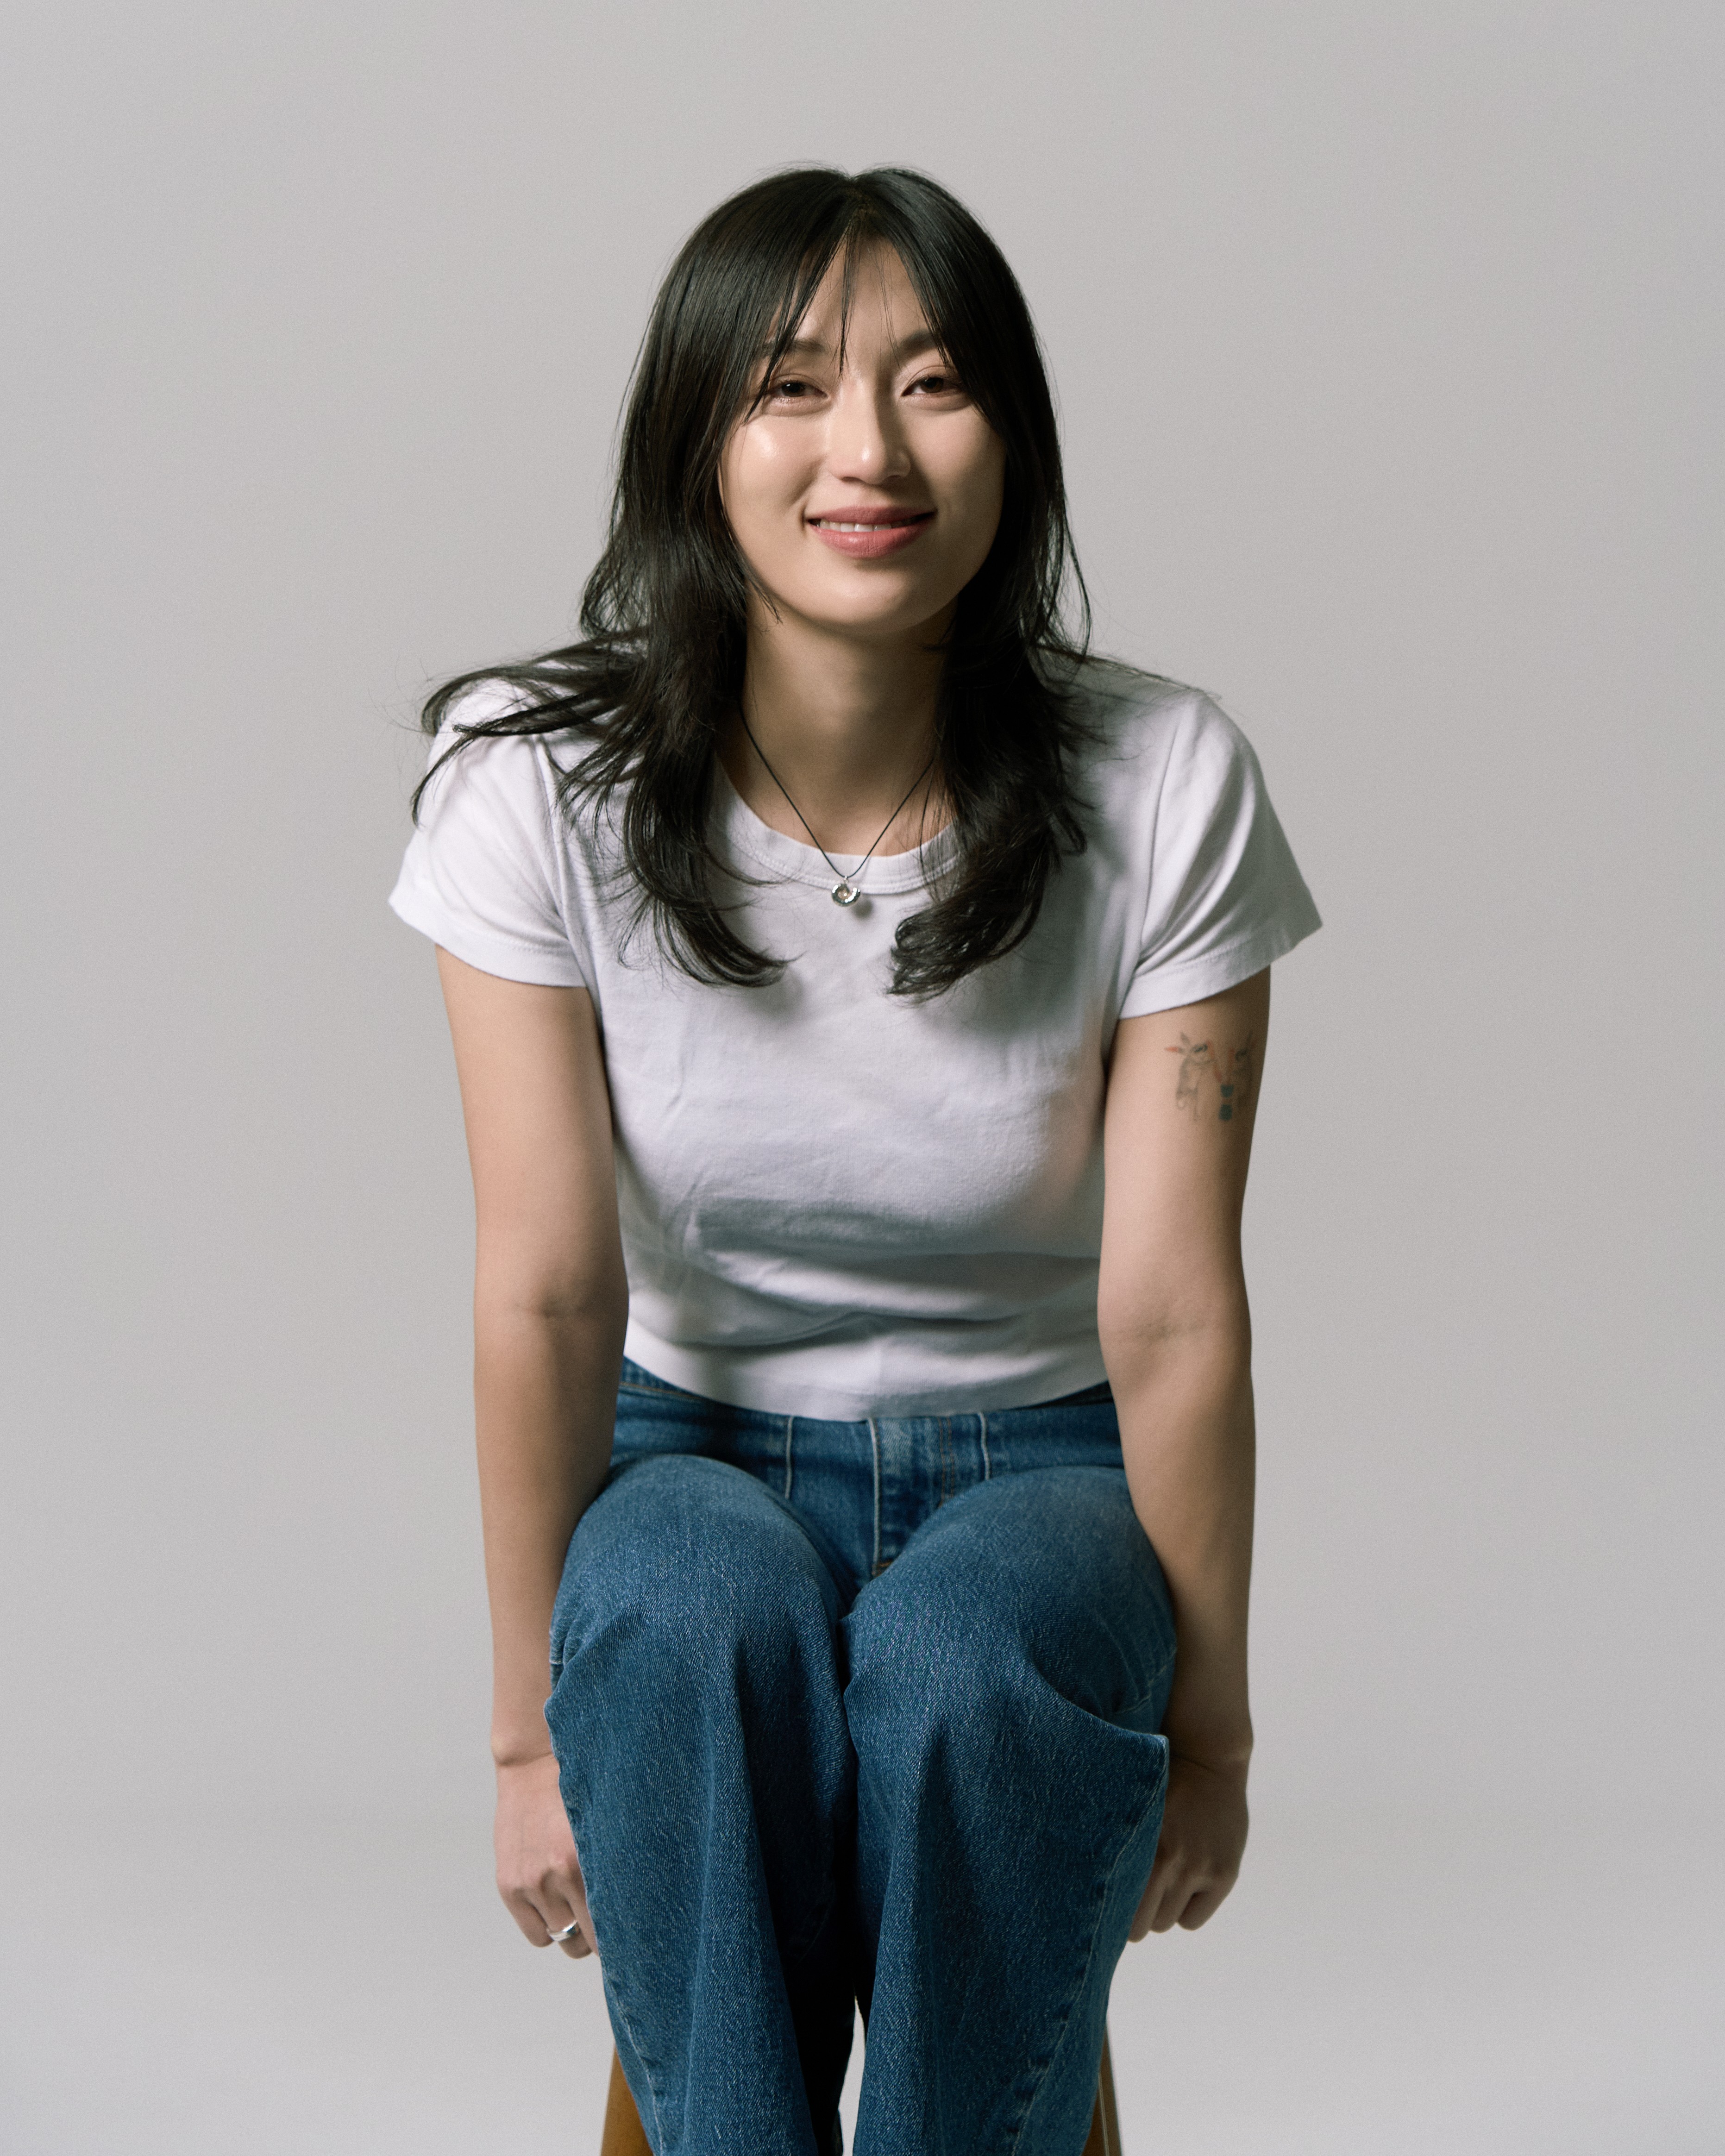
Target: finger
[[1156, 1892], [569, 1926], [545, 1913], [531, 1924], [573, 1888], [1192, 1902], [554, 1925], [1202, 1907], [1164, 1873], [548, 1902], [562, 1903], [1176, 1893], [570, 1934]]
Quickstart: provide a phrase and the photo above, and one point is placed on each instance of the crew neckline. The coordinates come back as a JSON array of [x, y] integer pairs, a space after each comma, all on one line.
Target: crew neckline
[[797, 863]]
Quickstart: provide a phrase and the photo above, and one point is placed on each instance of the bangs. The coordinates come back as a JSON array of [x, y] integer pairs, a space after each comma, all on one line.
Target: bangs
[[846, 221]]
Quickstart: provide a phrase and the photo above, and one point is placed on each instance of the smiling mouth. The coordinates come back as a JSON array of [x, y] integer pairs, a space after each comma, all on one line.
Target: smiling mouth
[[873, 524]]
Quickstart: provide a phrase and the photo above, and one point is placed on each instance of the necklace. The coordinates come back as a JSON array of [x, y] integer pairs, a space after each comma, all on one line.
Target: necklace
[[847, 889]]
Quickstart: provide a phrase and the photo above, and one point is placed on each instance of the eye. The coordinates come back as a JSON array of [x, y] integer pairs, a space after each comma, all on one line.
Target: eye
[[791, 389], [938, 381]]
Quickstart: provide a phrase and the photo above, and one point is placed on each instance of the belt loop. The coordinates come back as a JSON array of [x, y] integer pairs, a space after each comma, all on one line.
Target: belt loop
[[790, 1424], [987, 1463]]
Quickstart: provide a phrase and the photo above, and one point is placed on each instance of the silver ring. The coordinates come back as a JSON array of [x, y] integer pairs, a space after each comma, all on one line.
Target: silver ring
[[568, 1931]]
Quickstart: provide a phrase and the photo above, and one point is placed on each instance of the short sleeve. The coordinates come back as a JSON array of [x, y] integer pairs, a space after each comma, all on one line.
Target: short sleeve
[[1226, 897], [486, 867]]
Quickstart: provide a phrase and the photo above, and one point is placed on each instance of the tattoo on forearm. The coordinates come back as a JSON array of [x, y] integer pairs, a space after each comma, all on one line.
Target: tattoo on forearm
[[1212, 1076]]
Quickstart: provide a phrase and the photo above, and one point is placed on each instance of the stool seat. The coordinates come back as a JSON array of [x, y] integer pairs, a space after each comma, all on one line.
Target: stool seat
[[624, 2136]]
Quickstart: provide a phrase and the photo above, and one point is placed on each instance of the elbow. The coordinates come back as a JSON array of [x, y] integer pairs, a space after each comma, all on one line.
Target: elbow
[[564, 1298], [1146, 1342]]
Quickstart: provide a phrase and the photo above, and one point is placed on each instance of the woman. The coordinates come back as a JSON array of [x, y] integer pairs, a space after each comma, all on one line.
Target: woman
[[860, 999]]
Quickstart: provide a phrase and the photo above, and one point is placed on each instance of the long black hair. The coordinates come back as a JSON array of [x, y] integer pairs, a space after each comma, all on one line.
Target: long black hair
[[660, 663]]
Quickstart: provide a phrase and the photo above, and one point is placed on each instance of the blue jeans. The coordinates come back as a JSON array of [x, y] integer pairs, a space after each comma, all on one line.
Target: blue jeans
[[861, 1712]]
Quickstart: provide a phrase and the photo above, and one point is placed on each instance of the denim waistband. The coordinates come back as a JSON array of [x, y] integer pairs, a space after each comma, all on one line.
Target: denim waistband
[[862, 1488], [644, 1380]]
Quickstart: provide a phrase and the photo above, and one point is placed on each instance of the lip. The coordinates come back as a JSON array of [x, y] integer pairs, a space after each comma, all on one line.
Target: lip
[[885, 531]]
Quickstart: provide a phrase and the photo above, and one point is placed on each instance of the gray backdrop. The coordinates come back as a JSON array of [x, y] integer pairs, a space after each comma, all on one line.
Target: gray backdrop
[[1388, 343]]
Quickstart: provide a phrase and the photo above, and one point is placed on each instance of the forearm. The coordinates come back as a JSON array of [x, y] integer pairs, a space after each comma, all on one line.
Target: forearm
[[1185, 1407], [545, 1387]]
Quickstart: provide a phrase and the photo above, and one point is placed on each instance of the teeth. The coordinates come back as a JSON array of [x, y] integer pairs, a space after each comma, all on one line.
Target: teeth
[[826, 524]]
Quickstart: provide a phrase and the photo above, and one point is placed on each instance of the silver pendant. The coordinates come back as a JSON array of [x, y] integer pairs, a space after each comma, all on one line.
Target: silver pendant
[[844, 894]]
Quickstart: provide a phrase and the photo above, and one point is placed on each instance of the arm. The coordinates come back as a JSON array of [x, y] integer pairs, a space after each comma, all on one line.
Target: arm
[[550, 1305], [1176, 1337]]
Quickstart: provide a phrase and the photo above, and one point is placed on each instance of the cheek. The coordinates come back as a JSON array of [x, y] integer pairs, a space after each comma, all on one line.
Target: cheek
[[978, 483], [761, 488]]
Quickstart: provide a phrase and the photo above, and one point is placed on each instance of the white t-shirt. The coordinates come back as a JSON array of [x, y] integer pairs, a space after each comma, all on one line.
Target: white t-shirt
[[835, 1202]]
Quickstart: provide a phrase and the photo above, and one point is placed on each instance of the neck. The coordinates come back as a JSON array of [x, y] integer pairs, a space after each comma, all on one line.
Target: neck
[[846, 724]]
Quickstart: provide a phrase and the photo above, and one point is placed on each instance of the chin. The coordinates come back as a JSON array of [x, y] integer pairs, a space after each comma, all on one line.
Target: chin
[[875, 624], [875, 607]]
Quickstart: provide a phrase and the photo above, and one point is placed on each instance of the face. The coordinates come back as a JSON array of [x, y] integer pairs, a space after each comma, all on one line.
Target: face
[[864, 499]]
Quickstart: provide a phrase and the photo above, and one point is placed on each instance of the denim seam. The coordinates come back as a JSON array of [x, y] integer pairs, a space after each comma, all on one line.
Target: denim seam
[[790, 1424], [646, 2071], [1157, 1675], [1018, 2133]]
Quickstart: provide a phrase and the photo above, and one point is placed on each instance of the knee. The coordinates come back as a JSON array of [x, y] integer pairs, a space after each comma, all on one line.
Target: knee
[[685, 1573], [935, 1657], [1020, 1603]]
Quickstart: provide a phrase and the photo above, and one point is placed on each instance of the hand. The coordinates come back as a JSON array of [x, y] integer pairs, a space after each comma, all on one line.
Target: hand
[[1204, 1833], [538, 1873]]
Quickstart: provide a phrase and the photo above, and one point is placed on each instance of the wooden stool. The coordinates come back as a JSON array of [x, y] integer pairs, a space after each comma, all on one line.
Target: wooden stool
[[624, 2137]]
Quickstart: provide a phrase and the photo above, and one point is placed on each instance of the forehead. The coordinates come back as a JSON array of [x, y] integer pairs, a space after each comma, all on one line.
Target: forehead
[[882, 302]]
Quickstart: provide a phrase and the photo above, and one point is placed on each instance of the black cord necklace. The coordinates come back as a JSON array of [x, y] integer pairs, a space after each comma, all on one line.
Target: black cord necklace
[[847, 889]]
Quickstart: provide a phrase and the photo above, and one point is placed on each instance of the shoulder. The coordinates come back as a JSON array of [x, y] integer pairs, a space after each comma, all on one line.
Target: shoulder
[[494, 761], [489, 873], [1144, 740], [487, 725], [1182, 821]]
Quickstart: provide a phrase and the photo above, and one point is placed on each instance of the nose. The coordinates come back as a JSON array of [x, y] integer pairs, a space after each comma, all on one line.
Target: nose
[[866, 443]]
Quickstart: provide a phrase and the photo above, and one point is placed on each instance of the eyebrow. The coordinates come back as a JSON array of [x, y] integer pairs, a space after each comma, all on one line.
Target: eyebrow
[[816, 348]]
